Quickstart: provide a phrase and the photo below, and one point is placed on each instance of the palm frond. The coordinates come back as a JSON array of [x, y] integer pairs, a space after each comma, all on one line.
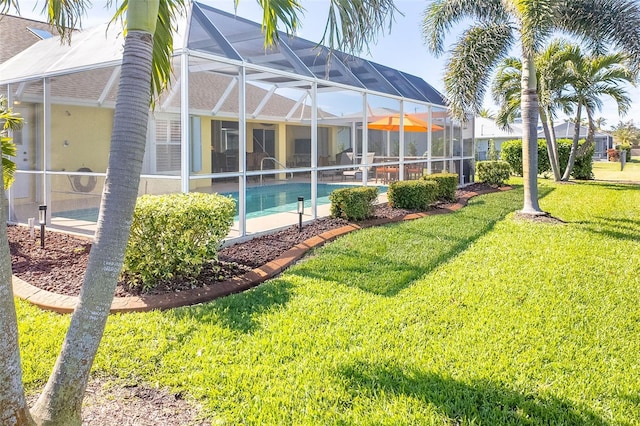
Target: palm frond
[[279, 12], [352, 24], [535, 25], [603, 22], [469, 68], [441, 16]]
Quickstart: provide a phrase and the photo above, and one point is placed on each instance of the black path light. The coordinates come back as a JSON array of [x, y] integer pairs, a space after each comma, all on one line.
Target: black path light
[[300, 212], [42, 218]]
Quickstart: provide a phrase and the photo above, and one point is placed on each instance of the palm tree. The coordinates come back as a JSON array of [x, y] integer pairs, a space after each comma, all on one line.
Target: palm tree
[[551, 75], [148, 46], [591, 78], [569, 80], [497, 26]]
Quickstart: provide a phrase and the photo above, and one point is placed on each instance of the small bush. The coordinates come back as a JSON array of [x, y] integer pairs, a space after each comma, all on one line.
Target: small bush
[[613, 154], [512, 153], [493, 172], [174, 235], [447, 185], [353, 203], [583, 167], [412, 194]]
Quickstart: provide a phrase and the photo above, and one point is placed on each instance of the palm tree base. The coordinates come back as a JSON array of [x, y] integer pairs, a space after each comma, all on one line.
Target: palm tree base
[[532, 213]]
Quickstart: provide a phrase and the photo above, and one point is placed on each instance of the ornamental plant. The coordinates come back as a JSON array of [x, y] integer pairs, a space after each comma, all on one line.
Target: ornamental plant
[[412, 194], [494, 173], [353, 203], [447, 185], [174, 235]]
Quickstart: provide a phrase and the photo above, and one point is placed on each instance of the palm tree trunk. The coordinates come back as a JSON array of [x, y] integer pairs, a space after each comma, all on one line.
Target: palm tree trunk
[[61, 401], [552, 148], [529, 107], [590, 135], [574, 145], [13, 405]]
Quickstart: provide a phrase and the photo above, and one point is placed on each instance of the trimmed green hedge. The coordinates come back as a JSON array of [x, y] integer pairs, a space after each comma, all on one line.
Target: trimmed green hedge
[[447, 185], [412, 194], [353, 203], [493, 172], [511, 152], [174, 235]]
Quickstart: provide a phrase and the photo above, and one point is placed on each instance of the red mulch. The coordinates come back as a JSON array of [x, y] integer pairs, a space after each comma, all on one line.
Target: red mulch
[[60, 267]]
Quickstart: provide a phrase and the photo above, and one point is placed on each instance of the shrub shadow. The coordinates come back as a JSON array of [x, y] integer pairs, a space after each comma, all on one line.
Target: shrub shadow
[[479, 401], [239, 312]]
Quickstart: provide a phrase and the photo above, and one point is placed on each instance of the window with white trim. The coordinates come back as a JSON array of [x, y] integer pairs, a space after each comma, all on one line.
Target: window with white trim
[[167, 145]]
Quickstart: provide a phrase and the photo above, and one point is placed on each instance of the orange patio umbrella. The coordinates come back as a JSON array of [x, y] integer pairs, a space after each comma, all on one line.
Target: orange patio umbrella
[[410, 124]]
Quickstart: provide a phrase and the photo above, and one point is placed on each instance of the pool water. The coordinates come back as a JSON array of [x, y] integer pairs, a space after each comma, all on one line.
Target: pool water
[[269, 199], [261, 200]]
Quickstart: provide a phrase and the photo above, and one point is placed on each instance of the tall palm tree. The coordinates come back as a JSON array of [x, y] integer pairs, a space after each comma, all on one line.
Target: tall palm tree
[[148, 46], [591, 78], [551, 64], [567, 80], [497, 26]]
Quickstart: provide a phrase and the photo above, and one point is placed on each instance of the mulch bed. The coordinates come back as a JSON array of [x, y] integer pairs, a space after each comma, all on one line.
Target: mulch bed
[[60, 267]]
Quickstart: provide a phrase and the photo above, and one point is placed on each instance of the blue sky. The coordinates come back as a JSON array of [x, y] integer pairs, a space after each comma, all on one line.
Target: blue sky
[[401, 48]]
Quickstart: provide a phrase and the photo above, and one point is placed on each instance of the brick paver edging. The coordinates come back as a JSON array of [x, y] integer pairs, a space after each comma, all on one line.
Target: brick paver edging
[[65, 304]]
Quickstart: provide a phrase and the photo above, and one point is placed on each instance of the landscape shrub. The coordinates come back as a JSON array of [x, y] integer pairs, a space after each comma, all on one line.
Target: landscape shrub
[[583, 167], [412, 194], [174, 235], [353, 203], [493, 172], [447, 185], [613, 154], [512, 154]]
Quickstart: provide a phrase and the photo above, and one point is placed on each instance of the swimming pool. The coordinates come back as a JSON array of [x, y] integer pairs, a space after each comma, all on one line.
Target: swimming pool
[[261, 200], [269, 199]]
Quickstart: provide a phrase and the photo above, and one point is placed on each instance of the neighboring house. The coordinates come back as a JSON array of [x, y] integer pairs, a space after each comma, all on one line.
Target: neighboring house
[[602, 141], [486, 129], [236, 116]]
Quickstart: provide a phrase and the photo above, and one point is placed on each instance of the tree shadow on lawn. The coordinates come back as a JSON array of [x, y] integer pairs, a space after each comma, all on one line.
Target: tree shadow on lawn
[[239, 311], [380, 274], [620, 229], [479, 401]]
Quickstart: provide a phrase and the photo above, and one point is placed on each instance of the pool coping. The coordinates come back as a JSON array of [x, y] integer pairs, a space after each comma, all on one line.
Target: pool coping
[[60, 303]]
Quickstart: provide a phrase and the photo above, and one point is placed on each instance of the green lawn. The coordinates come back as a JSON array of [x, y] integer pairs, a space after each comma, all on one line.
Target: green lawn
[[610, 171], [467, 318]]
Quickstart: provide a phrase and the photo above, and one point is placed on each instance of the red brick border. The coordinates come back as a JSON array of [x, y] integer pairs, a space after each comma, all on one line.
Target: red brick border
[[65, 304]]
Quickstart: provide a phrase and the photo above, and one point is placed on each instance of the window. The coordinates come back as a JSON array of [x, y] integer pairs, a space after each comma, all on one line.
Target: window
[[167, 145]]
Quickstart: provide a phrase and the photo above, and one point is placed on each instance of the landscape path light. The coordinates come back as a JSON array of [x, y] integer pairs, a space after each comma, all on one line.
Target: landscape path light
[[300, 212], [42, 219]]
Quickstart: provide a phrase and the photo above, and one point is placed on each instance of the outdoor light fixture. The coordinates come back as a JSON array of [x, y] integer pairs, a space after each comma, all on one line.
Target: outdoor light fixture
[[42, 218], [300, 212]]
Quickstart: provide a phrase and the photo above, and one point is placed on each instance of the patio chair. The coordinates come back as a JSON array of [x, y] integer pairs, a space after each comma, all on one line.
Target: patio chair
[[362, 169]]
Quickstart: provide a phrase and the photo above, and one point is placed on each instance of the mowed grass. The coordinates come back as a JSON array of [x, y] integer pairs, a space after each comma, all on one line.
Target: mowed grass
[[466, 318], [610, 171]]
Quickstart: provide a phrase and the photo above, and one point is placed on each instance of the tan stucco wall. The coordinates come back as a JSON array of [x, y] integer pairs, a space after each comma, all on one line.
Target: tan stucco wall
[[80, 137]]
